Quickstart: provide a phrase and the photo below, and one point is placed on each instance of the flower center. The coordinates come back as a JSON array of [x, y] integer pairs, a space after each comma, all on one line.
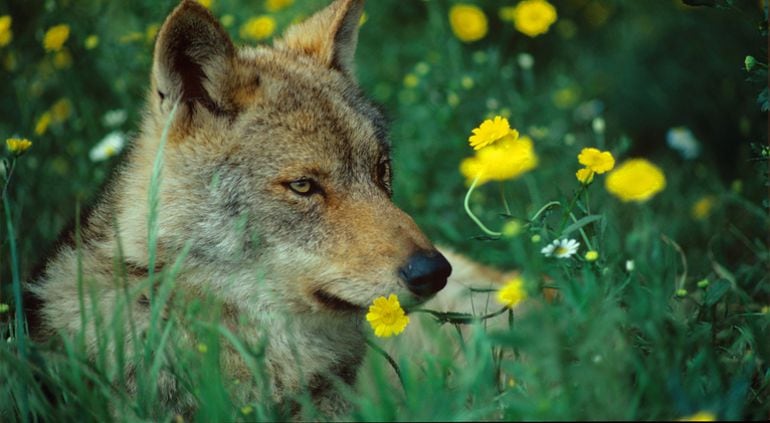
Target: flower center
[[560, 251], [389, 317]]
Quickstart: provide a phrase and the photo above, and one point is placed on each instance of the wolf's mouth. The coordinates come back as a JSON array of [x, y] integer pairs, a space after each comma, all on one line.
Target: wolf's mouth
[[334, 302]]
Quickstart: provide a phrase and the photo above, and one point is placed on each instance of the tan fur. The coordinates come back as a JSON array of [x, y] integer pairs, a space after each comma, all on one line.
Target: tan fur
[[250, 121]]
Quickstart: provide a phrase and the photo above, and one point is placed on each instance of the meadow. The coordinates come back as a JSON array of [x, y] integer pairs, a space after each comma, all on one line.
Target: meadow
[[635, 129]]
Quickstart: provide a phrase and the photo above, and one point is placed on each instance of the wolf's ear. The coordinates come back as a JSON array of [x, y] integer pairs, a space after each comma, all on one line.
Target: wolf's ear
[[192, 55], [329, 36]]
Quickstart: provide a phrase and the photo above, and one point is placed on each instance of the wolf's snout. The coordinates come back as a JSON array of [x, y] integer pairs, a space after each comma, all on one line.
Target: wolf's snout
[[426, 272]]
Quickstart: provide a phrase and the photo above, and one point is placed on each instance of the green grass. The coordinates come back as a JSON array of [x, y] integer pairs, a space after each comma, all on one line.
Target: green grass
[[672, 318]]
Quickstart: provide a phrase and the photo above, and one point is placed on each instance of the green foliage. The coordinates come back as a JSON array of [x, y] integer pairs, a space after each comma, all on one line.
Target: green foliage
[[670, 320]]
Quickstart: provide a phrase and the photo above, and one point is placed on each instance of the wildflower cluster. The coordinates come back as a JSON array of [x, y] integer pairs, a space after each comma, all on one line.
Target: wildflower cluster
[[595, 162], [57, 114], [507, 159], [530, 17], [500, 153], [635, 180], [533, 125]]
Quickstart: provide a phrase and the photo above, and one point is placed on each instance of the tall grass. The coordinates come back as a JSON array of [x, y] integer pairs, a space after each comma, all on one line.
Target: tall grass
[[672, 319], [19, 335]]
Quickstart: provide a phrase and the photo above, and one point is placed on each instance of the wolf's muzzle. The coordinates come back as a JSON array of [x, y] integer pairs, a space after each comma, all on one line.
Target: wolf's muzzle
[[426, 272]]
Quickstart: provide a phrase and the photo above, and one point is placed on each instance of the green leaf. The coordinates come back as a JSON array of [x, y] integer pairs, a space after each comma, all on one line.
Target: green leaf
[[580, 223], [716, 291]]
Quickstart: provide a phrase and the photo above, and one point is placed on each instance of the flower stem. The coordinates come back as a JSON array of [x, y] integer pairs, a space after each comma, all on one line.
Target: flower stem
[[470, 213], [582, 233], [9, 169], [505, 200], [456, 318], [390, 360], [18, 299], [568, 210], [544, 208]]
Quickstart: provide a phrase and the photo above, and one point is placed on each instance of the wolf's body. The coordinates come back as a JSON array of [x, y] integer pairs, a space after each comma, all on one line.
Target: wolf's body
[[275, 176]]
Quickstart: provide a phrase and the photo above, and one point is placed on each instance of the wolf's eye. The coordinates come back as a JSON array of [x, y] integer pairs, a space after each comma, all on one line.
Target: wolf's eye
[[302, 186]]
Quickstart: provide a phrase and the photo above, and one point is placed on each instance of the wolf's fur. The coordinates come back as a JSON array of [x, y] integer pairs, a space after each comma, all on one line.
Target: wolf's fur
[[250, 122]]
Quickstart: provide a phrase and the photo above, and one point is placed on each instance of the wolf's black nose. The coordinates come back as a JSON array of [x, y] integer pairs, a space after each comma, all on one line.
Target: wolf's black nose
[[426, 272]]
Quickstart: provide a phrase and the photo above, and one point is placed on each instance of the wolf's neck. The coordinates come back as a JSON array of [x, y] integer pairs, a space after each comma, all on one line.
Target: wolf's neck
[[311, 350]]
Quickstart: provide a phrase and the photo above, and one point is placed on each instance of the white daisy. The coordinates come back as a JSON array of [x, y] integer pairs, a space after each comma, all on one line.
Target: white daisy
[[561, 248], [682, 140], [109, 146], [630, 265], [114, 118], [525, 60]]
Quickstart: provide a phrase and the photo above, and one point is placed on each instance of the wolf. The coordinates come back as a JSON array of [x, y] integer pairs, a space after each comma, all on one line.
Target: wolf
[[276, 190]]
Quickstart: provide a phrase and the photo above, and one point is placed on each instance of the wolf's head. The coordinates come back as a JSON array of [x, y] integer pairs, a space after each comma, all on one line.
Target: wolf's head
[[276, 165]]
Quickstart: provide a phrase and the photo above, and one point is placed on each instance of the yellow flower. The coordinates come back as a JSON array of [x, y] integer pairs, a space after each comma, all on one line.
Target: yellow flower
[[387, 317], [585, 175], [595, 160], [62, 59], [490, 131], [635, 180], [131, 37], [151, 32], [506, 13], [700, 416], [246, 410], [6, 35], [702, 208], [17, 146], [205, 3], [511, 382], [509, 158], [533, 17], [467, 82], [411, 80], [276, 5], [592, 255], [565, 97], [227, 20], [512, 293], [511, 228], [258, 28], [468, 22], [453, 99], [9, 61], [55, 37], [91, 42], [42, 123], [61, 110]]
